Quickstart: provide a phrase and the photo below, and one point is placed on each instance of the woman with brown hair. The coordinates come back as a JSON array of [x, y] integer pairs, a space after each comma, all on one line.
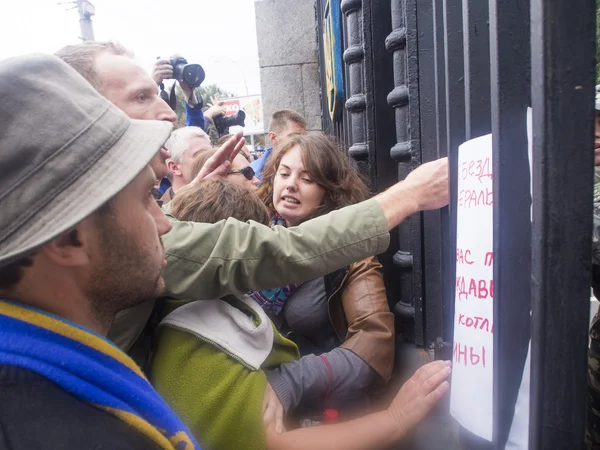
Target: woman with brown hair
[[343, 319]]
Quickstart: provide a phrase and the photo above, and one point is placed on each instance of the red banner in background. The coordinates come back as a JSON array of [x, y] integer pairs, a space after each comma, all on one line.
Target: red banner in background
[[231, 107]]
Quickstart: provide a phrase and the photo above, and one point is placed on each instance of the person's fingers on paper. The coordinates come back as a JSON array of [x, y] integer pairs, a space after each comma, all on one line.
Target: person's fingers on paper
[[419, 394]]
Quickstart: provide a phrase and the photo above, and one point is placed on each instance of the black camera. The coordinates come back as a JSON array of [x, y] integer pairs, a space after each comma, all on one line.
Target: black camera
[[192, 74], [223, 123]]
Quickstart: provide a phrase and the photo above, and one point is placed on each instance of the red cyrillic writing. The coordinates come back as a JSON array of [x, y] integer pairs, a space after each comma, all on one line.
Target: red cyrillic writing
[[468, 355], [480, 323], [471, 198], [479, 169], [474, 288], [489, 259], [463, 256]]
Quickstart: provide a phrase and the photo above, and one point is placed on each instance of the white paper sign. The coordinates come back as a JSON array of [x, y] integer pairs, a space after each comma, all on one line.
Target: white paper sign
[[473, 352]]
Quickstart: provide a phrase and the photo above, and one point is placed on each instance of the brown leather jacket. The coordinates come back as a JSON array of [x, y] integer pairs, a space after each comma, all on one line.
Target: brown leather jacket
[[360, 314]]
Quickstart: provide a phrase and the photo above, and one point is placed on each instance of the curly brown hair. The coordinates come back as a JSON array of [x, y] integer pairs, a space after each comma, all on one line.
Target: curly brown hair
[[328, 165]]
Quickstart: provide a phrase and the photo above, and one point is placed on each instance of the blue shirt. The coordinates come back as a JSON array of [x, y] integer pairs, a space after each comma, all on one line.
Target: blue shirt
[[259, 164], [194, 117], [165, 184]]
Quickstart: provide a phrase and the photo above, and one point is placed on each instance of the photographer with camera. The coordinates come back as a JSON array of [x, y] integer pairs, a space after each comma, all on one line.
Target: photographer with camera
[[213, 120], [189, 77]]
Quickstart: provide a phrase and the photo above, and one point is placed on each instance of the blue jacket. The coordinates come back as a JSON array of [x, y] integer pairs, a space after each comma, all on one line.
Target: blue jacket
[[259, 164], [194, 117]]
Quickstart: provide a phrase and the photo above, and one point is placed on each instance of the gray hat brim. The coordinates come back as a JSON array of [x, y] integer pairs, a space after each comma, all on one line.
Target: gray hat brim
[[109, 175]]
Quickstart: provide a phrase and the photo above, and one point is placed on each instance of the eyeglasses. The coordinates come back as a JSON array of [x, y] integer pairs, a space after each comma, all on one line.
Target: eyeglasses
[[247, 171]]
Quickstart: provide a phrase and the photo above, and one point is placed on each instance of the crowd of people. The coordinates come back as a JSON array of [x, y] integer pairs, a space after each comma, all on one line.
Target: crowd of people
[[161, 289]]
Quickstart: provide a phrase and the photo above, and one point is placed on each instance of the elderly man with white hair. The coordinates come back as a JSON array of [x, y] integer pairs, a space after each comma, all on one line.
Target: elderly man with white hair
[[184, 144]]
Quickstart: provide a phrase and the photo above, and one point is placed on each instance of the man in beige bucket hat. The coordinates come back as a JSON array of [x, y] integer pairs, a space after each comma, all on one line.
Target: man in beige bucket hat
[[74, 250]]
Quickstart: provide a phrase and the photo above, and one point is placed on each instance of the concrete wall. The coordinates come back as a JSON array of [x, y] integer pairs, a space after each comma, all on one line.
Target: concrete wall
[[287, 55]]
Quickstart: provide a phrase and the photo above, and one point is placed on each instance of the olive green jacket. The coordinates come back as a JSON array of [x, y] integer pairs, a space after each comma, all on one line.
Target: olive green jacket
[[206, 261]]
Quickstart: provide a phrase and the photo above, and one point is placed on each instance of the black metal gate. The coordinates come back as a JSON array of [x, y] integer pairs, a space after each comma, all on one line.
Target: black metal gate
[[420, 78]]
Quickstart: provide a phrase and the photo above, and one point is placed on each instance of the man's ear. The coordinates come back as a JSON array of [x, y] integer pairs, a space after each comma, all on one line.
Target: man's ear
[[273, 138], [174, 168], [70, 249]]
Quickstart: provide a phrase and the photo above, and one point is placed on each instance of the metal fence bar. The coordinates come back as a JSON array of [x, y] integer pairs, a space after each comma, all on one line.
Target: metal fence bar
[[477, 68], [455, 119], [381, 81], [416, 221], [433, 289], [448, 251], [354, 56], [562, 90], [403, 42], [456, 135], [398, 98], [510, 89], [401, 153]]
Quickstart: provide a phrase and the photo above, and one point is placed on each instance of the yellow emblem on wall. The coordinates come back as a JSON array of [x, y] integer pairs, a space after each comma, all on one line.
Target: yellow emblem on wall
[[332, 58]]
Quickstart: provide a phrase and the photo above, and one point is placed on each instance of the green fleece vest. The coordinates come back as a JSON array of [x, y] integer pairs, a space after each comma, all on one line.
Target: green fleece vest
[[207, 366]]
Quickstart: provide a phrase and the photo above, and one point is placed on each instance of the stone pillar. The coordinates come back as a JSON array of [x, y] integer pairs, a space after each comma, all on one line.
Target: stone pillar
[[287, 55]]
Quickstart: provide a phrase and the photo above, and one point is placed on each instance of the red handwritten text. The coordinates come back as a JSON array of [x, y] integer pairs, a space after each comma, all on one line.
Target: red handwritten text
[[469, 356], [471, 198], [463, 256], [478, 168], [489, 259], [474, 288], [479, 323]]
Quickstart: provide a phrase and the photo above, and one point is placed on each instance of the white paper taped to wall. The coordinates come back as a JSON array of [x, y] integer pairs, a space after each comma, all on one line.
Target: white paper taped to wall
[[471, 401]]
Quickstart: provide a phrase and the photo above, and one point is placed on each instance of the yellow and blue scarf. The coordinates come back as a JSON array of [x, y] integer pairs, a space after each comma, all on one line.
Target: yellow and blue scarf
[[91, 368]]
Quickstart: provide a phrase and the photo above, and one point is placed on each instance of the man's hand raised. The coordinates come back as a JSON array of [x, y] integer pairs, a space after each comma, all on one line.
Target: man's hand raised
[[430, 184], [217, 107], [220, 162], [424, 189], [215, 110]]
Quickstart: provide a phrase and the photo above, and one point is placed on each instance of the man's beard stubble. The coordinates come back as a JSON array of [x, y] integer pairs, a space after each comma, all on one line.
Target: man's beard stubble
[[123, 277]]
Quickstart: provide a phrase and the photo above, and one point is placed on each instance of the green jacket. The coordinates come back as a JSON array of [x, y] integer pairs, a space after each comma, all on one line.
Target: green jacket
[[207, 261], [207, 366]]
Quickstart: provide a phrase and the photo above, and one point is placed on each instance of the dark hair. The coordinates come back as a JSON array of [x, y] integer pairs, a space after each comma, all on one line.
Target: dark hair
[[11, 274], [281, 118], [328, 165], [217, 199]]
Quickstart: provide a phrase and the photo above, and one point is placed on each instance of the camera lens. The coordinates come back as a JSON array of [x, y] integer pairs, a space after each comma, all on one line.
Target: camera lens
[[193, 75]]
